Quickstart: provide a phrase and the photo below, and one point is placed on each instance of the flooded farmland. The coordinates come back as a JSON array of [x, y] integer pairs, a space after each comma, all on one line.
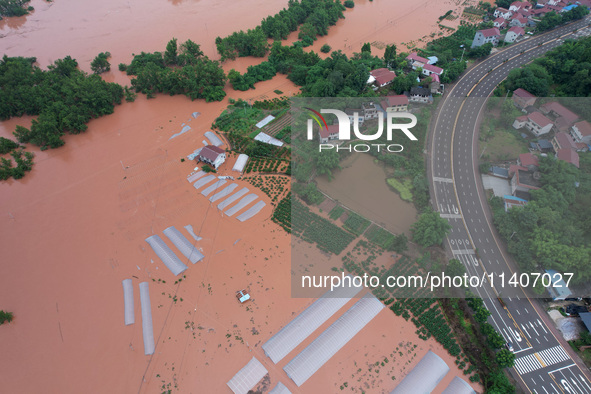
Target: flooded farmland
[[361, 186]]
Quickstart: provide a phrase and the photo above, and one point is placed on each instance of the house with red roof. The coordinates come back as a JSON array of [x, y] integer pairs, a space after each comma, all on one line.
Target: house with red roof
[[329, 134], [564, 118], [523, 181], [502, 13], [514, 33], [429, 69], [528, 161], [500, 23], [568, 155], [563, 140], [382, 77], [518, 20], [486, 36], [522, 98], [581, 132], [535, 122], [520, 5], [212, 155], [397, 103], [415, 61]]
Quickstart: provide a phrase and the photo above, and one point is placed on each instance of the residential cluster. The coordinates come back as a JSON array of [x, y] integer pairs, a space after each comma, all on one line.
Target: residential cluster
[[566, 135], [510, 24]]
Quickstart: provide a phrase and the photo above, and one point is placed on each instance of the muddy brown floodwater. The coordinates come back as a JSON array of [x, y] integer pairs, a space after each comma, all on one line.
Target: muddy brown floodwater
[[361, 186], [74, 227]]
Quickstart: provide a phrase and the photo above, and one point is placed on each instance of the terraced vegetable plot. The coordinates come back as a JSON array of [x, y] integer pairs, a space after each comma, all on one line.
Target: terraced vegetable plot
[[277, 125], [315, 229], [272, 185], [356, 224], [336, 212], [282, 214], [380, 237], [260, 164]]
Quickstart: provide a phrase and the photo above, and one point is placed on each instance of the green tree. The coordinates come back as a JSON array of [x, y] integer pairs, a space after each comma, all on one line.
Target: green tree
[[170, 55], [325, 48], [390, 55], [549, 21], [326, 161], [6, 145], [430, 229], [505, 358], [349, 3], [100, 64], [366, 47], [5, 317], [455, 268], [481, 51]]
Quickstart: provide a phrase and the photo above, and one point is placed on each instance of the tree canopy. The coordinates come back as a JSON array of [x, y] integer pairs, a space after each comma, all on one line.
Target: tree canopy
[[63, 97], [186, 72], [314, 16], [430, 229]]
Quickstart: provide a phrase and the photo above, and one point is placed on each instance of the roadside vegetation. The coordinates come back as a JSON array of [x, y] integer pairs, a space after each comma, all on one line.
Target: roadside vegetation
[[563, 71], [552, 231]]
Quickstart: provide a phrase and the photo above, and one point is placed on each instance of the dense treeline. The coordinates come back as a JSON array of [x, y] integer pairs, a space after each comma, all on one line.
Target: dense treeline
[[64, 97], [14, 8], [334, 76], [260, 72], [314, 16], [553, 230], [552, 19], [179, 70], [564, 71]]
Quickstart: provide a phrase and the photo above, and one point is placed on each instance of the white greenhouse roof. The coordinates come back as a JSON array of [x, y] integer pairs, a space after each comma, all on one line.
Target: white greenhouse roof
[[183, 244], [232, 198], [265, 121], [424, 377], [458, 386], [267, 139], [247, 377], [170, 260], [280, 389], [315, 355], [213, 139], [294, 333], [147, 327], [128, 302], [240, 163], [241, 204]]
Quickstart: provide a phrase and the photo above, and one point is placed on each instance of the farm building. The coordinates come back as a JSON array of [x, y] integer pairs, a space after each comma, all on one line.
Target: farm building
[[213, 155]]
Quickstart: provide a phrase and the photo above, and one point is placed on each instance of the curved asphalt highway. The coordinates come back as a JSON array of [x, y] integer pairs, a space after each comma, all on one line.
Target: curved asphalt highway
[[543, 364]]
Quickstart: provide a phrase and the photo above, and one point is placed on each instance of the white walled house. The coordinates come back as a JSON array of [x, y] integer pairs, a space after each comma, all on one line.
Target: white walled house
[[485, 36], [581, 132], [514, 33], [212, 155]]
